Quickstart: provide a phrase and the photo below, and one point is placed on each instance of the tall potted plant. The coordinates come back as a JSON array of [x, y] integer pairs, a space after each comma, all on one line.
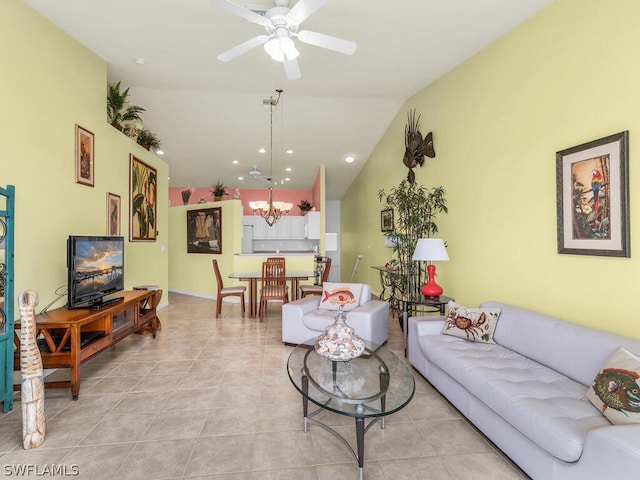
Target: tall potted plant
[[415, 210], [119, 112]]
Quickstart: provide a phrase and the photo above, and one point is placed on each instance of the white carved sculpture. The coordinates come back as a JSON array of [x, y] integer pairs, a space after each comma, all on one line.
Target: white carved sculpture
[[32, 384]]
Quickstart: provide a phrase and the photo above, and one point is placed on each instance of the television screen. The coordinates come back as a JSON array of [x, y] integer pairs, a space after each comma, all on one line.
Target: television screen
[[95, 269]]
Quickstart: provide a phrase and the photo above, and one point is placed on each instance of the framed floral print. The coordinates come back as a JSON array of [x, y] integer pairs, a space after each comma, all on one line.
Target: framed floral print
[[84, 156], [113, 215]]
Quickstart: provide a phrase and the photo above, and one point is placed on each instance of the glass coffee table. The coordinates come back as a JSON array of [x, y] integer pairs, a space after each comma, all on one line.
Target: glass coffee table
[[368, 387]]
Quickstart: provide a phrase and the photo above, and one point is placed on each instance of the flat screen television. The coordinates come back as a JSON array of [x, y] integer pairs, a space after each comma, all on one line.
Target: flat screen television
[[95, 267]]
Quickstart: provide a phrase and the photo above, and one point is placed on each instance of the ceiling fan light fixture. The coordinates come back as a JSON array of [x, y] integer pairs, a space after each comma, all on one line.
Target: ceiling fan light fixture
[[280, 47]]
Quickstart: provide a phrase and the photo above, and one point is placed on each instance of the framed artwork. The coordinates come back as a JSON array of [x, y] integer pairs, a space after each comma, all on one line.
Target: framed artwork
[[204, 230], [84, 156], [143, 188], [113, 215], [386, 220], [593, 197]]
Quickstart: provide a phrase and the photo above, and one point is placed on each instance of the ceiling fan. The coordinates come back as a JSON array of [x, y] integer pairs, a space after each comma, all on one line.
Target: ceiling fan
[[282, 24], [257, 174]]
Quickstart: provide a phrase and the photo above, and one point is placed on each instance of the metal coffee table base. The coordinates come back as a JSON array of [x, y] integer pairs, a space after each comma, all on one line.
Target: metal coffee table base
[[361, 429]]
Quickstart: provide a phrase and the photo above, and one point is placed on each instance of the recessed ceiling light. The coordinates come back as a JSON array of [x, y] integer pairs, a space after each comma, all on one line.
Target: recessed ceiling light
[[349, 159], [160, 152], [262, 150], [288, 169], [240, 178], [289, 151], [235, 162], [287, 179]]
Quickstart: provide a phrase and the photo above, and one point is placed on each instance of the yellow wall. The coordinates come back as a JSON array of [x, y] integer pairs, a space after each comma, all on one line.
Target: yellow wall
[[567, 76], [49, 83], [192, 272]]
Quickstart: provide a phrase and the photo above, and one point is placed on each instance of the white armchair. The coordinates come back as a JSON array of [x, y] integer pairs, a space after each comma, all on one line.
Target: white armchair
[[303, 321]]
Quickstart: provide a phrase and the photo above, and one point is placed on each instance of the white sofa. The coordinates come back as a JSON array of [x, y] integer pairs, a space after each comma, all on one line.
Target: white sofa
[[527, 393], [303, 321]]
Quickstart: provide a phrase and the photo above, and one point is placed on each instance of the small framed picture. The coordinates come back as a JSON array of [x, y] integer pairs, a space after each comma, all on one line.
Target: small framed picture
[[84, 156], [386, 220], [593, 197], [113, 215]]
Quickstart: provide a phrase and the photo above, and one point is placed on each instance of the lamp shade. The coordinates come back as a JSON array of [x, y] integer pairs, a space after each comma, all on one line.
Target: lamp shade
[[430, 249]]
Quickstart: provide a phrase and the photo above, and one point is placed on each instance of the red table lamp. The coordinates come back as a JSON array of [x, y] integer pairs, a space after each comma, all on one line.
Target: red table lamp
[[431, 250]]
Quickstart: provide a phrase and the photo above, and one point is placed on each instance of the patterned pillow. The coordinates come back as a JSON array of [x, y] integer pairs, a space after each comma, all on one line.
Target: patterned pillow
[[475, 324], [336, 294], [615, 389]]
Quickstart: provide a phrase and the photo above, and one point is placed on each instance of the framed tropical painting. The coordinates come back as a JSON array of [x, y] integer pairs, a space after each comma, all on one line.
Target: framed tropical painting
[[143, 189]]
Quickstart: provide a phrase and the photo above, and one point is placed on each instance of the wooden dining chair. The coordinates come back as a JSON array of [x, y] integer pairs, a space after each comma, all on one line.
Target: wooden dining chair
[[237, 291], [317, 289], [274, 285], [275, 259]]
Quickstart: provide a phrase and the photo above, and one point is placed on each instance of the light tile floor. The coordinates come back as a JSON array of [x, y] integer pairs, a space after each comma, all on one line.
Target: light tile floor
[[210, 399]]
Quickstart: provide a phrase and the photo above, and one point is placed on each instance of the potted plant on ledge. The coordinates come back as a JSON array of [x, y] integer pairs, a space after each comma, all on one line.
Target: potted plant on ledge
[[218, 191], [119, 112], [304, 207], [148, 140]]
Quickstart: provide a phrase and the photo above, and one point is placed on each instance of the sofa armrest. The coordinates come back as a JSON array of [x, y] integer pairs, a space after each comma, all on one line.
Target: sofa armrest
[[305, 304], [419, 327], [428, 325], [612, 452]]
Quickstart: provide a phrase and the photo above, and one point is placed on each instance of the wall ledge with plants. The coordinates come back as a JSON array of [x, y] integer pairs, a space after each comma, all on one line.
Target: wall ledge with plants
[[126, 117]]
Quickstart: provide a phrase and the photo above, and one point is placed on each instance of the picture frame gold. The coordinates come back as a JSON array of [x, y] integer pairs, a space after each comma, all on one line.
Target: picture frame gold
[[143, 189], [85, 156], [593, 197]]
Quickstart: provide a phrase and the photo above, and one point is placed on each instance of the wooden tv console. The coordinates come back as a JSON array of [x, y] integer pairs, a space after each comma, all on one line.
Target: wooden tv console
[[69, 337]]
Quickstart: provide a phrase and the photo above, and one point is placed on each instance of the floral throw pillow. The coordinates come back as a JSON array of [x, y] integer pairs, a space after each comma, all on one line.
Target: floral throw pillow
[[335, 295], [474, 324], [615, 390]]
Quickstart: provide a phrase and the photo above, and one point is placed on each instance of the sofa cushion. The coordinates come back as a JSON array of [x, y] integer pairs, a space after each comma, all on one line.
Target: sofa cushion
[[574, 350], [544, 405], [615, 391], [475, 324], [336, 295]]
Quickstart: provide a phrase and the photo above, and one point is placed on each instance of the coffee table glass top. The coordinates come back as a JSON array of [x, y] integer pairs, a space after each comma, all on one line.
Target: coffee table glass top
[[375, 384]]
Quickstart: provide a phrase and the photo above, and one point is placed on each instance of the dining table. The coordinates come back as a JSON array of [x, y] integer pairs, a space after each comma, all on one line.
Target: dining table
[[294, 276]]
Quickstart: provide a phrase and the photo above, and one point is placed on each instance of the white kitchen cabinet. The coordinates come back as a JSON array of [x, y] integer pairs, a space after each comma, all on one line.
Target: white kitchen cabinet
[[296, 228], [312, 225], [286, 228]]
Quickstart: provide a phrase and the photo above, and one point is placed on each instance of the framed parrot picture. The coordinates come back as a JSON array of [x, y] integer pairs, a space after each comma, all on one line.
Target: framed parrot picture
[[593, 197]]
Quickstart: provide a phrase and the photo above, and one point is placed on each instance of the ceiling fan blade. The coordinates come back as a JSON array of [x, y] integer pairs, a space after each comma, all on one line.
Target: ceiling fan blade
[[242, 48], [304, 9], [292, 69], [241, 12], [327, 41]]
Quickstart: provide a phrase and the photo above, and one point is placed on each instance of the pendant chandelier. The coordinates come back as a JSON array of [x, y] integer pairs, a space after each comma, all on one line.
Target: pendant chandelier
[[271, 211]]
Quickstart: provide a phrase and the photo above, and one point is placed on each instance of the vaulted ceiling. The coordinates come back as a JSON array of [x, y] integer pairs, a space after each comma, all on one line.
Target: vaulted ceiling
[[209, 113]]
